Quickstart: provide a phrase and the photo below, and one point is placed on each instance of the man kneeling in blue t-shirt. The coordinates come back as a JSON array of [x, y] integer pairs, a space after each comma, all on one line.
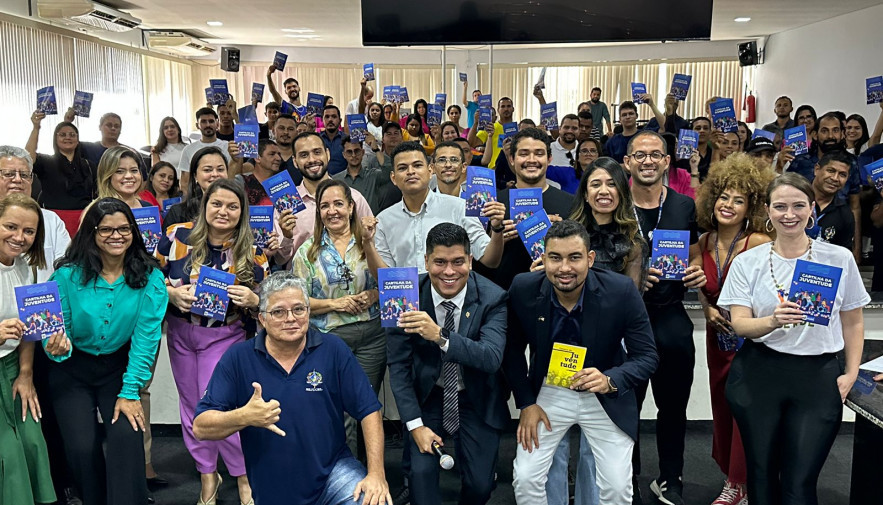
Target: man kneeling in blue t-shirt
[[294, 443]]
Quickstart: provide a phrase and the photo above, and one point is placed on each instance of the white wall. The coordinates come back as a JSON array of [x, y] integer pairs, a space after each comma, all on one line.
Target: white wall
[[823, 64]]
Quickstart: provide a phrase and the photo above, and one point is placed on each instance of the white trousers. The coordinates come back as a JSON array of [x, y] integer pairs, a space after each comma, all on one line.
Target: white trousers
[[610, 445]]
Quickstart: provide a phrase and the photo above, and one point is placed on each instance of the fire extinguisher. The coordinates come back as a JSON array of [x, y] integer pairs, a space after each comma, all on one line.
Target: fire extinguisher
[[748, 107]]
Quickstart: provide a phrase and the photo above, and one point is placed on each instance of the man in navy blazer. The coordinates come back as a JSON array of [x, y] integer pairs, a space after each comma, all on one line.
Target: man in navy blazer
[[601, 311], [444, 369]]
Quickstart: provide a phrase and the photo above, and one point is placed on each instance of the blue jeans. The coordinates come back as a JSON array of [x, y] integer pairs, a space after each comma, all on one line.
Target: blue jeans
[[586, 491], [342, 482]]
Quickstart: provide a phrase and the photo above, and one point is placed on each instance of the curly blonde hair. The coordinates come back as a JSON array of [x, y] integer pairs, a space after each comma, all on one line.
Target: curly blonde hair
[[737, 172]]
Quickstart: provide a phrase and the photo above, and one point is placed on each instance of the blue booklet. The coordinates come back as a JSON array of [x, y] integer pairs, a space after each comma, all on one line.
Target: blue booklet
[[532, 232], [399, 293], [760, 132], [368, 71], [813, 289], [485, 101], [391, 93], [865, 383], [282, 191], [211, 295], [260, 218], [463, 76], [480, 188], [246, 138], [509, 130], [485, 117], [441, 99], [149, 225], [680, 84], [873, 173], [403, 94], [209, 95], [257, 92], [39, 308], [279, 60], [167, 204], [358, 126], [434, 114], [874, 86], [46, 102], [549, 116], [315, 104], [524, 203], [247, 115], [220, 92], [82, 103], [723, 116], [796, 138], [688, 140], [638, 89], [671, 253]]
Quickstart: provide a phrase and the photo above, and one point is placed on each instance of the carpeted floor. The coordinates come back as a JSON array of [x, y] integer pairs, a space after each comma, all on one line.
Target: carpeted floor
[[703, 480]]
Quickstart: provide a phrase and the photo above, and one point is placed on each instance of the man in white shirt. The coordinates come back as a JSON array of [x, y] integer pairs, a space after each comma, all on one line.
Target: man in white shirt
[[564, 149], [207, 122]]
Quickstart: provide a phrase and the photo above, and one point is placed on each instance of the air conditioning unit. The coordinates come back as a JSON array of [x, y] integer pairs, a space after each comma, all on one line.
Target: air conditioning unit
[[178, 44], [86, 15]]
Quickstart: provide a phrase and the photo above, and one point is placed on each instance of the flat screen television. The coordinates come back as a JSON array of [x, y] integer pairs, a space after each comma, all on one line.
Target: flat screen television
[[450, 22]]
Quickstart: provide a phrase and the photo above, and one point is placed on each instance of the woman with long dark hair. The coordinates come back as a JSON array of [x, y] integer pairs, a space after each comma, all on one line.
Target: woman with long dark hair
[[856, 134], [206, 166], [413, 133], [169, 144], [162, 183], [806, 115], [113, 297], [375, 121]]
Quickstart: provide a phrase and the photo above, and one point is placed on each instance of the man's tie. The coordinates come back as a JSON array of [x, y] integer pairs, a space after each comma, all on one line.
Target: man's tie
[[450, 370]]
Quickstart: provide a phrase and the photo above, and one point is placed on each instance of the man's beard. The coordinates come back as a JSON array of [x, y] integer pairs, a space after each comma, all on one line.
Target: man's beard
[[315, 177], [829, 146], [596, 100]]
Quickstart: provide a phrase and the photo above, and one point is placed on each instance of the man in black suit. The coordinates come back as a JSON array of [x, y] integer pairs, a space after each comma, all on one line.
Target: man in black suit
[[445, 377], [603, 313]]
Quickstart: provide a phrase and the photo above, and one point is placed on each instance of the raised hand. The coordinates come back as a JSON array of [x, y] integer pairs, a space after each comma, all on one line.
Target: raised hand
[[261, 414]]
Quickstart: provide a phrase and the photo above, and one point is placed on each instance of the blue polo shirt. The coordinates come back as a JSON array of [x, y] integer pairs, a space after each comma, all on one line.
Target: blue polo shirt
[[325, 382], [805, 165], [336, 163]]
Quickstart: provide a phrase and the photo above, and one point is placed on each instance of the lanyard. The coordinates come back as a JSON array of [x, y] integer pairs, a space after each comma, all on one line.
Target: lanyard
[[658, 218], [717, 259]]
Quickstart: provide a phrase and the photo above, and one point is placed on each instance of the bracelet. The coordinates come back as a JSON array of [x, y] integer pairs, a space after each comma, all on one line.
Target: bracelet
[[498, 230]]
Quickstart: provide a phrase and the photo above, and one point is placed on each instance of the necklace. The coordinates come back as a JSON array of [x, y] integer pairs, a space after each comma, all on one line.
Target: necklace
[[780, 289]]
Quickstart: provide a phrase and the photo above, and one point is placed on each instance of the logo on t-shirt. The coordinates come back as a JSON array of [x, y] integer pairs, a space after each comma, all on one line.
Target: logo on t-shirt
[[314, 379]]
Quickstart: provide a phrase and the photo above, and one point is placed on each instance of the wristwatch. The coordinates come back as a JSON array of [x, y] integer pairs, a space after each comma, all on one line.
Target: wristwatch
[[443, 335], [611, 385], [498, 230]]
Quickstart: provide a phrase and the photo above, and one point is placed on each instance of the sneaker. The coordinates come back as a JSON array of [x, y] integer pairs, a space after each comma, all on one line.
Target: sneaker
[[732, 494], [668, 493]]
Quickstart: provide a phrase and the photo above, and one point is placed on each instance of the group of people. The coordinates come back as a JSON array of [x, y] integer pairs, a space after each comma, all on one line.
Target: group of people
[[279, 385]]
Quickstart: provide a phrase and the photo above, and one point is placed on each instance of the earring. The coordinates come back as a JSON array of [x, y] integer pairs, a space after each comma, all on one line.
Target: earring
[[769, 226], [813, 225], [747, 222]]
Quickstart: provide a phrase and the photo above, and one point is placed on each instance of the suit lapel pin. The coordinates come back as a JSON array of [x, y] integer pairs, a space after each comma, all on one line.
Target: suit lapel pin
[[541, 319], [467, 314]]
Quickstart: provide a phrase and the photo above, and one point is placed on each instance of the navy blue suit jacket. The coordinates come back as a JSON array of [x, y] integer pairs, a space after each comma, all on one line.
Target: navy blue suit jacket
[[613, 312], [415, 364]]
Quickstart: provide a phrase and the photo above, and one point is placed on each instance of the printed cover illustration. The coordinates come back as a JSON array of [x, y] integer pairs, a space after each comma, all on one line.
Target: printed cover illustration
[[315, 104], [796, 138], [723, 116], [688, 140], [565, 361], [246, 137], [358, 126], [220, 92], [260, 218], [549, 116], [368, 71], [46, 101], [211, 295], [39, 308], [257, 92], [279, 60], [671, 253], [532, 232], [282, 191], [680, 85], [638, 89], [434, 115], [524, 203], [813, 288], [480, 188], [874, 87], [82, 103], [398, 293], [149, 226]]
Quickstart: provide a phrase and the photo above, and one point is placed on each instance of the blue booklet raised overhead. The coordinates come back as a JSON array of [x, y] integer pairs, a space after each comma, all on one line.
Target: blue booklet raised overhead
[[485, 117], [167, 204], [149, 225], [760, 132], [463, 76], [509, 130], [358, 126], [671, 253], [813, 288], [524, 203], [315, 104], [82, 103], [211, 295], [549, 116], [257, 92], [46, 101], [247, 115], [246, 138], [282, 191], [532, 232], [688, 140], [39, 308], [403, 94], [441, 99], [480, 189], [638, 89], [874, 87], [434, 115], [391, 93], [279, 60], [209, 95], [260, 218], [398, 293], [485, 101], [873, 173], [368, 71], [723, 115], [680, 84], [796, 138], [220, 92]]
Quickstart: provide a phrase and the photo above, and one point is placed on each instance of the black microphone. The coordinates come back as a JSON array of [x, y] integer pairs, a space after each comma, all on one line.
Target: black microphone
[[444, 459]]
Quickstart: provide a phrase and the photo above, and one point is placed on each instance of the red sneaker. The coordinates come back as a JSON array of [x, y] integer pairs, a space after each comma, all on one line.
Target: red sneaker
[[732, 494]]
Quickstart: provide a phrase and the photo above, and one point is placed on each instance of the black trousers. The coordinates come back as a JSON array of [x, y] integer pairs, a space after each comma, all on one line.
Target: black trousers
[[61, 474], [475, 456], [671, 383], [788, 410], [78, 386]]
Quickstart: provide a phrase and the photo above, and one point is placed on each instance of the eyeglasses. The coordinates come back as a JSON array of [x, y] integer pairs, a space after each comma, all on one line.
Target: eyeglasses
[[66, 135], [655, 156], [448, 161], [282, 314], [589, 151], [107, 231], [10, 174]]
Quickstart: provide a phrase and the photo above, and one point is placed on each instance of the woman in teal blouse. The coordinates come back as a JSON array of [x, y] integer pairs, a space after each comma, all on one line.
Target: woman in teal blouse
[[113, 297]]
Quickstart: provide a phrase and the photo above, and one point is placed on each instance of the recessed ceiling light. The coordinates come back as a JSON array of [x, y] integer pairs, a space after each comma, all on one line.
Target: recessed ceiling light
[[742, 20], [214, 23], [302, 36], [298, 30]]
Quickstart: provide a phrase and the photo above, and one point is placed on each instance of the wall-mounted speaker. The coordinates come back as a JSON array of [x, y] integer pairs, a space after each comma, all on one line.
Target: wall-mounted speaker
[[748, 54], [230, 59]]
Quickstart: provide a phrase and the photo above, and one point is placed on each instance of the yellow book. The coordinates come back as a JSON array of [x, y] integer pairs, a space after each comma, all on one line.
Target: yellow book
[[565, 361]]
